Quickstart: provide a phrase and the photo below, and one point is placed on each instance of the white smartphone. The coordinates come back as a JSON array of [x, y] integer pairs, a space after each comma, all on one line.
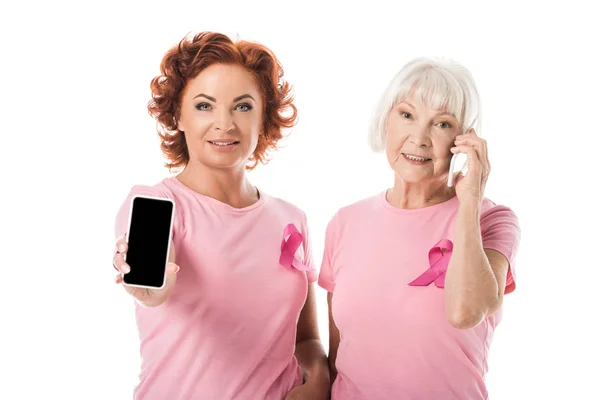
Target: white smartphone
[[149, 241], [458, 163]]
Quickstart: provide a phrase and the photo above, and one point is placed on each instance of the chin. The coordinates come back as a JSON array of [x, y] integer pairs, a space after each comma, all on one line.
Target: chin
[[409, 177], [225, 162], [222, 164]]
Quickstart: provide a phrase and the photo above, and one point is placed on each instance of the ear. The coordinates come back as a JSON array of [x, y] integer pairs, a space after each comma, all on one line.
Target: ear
[[180, 125]]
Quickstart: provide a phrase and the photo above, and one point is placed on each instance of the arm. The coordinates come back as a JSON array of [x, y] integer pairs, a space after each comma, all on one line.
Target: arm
[[476, 277], [334, 340], [309, 351]]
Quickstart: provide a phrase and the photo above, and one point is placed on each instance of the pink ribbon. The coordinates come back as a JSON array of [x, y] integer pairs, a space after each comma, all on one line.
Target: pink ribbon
[[292, 239], [439, 257]]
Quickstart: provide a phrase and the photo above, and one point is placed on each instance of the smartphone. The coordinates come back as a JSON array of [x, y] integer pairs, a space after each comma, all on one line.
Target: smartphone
[[149, 241], [458, 163]]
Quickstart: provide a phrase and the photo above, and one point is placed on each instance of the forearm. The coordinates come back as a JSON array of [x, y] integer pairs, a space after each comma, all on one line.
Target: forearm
[[313, 361], [470, 287]]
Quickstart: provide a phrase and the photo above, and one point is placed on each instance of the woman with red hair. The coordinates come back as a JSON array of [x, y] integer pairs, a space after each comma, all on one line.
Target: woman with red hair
[[234, 320]]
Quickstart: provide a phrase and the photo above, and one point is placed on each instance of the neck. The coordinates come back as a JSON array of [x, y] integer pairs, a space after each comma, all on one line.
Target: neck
[[229, 186], [410, 195]]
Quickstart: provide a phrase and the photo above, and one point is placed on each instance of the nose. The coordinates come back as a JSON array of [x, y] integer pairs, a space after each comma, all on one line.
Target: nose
[[224, 121], [419, 136]]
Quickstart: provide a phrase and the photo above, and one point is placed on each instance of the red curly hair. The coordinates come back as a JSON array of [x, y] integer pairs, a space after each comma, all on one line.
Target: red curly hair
[[191, 56]]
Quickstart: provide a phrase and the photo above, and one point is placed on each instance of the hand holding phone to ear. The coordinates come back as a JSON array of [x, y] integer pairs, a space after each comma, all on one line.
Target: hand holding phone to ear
[[471, 186]]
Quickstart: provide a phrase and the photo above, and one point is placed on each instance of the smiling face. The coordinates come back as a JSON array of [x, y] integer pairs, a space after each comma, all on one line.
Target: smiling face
[[418, 141], [221, 116]]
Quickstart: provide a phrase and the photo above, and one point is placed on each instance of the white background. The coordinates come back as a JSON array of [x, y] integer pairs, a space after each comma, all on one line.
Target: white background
[[76, 137]]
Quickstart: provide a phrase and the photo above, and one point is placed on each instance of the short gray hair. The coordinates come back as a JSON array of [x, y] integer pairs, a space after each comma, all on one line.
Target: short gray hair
[[441, 84]]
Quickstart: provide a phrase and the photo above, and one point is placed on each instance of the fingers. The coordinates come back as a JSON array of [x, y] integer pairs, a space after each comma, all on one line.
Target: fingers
[[119, 259], [473, 161], [468, 150], [470, 139], [121, 245], [480, 145], [120, 264]]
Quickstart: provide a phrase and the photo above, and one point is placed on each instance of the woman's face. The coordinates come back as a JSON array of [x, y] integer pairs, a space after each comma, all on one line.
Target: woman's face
[[221, 116], [418, 141]]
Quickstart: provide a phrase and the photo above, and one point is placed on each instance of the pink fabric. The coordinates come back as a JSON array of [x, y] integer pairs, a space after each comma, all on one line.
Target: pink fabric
[[396, 342], [228, 330]]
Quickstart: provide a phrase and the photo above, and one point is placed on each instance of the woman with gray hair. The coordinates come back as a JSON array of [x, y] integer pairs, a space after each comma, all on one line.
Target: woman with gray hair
[[417, 273]]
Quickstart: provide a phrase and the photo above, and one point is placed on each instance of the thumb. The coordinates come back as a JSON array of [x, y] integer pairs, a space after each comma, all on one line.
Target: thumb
[[172, 269], [459, 177], [455, 176]]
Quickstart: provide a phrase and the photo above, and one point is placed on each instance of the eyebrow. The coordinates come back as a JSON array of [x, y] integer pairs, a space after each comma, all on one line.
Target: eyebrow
[[444, 113], [244, 96], [407, 103], [207, 96], [439, 114]]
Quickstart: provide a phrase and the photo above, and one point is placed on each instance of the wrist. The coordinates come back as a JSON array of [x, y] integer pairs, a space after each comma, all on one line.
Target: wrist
[[470, 204]]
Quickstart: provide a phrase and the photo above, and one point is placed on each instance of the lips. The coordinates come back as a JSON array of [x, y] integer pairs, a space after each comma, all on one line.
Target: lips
[[223, 142], [416, 158]]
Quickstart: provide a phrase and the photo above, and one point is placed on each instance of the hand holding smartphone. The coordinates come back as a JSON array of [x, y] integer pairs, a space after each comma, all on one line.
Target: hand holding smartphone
[[143, 255]]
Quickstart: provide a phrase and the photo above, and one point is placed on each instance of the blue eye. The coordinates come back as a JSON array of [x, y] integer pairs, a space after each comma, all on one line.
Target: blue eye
[[244, 107], [203, 107]]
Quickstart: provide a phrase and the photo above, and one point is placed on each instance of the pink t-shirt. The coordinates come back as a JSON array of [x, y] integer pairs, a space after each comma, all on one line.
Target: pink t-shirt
[[395, 340], [228, 330]]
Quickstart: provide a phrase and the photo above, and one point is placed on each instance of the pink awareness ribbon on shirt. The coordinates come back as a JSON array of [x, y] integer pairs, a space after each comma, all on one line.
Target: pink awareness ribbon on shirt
[[439, 257], [292, 239]]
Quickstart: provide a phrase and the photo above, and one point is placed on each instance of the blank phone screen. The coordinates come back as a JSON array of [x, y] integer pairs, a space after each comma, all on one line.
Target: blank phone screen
[[148, 241]]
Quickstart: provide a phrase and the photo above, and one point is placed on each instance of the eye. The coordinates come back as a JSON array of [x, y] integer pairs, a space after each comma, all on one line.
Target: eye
[[445, 125], [244, 107], [203, 107], [405, 114]]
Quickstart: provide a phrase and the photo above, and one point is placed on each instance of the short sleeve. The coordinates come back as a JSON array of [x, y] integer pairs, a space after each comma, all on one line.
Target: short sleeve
[[500, 231], [308, 257], [122, 218], [326, 274]]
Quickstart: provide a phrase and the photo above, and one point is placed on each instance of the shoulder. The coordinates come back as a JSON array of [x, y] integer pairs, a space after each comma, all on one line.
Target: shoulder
[[347, 215], [491, 210], [358, 209], [160, 189], [282, 206], [498, 221]]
